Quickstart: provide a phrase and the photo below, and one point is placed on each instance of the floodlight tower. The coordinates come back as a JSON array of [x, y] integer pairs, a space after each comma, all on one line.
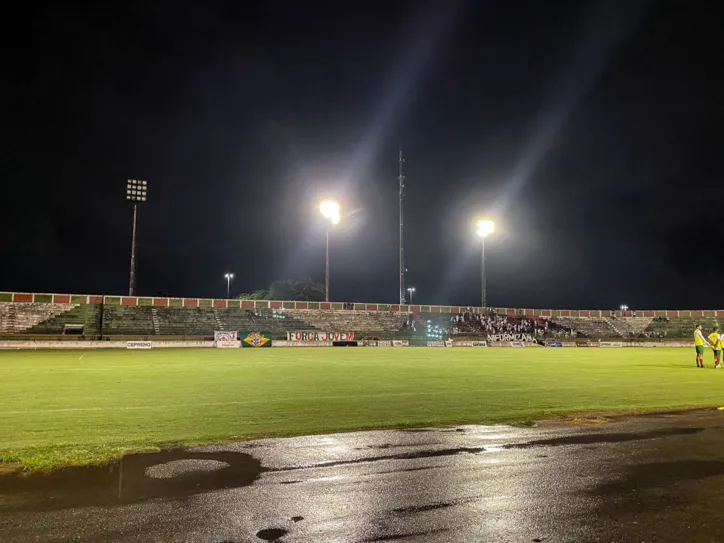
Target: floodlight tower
[[401, 179], [229, 277], [330, 211], [485, 228], [411, 290], [136, 192]]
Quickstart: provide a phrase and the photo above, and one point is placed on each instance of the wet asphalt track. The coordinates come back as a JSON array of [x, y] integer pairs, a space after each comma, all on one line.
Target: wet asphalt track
[[640, 479]]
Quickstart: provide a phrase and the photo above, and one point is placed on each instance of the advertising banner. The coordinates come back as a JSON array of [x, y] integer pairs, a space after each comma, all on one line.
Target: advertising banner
[[138, 345], [226, 340], [317, 335], [439, 343], [400, 343], [286, 343], [554, 344], [384, 343], [479, 344], [517, 344], [255, 339], [611, 343]]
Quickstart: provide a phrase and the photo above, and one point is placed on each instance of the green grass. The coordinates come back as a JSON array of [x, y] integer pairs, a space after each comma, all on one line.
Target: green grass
[[58, 409]]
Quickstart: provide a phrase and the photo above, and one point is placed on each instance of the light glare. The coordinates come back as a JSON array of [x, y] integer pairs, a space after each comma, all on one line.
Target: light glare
[[485, 228], [330, 211]]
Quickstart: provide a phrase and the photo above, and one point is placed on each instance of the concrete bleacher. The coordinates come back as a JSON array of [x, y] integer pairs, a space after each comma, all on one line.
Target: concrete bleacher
[[590, 327], [128, 321], [360, 322], [275, 321], [16, 317], [630, 326], [679, 327], [171, 321]]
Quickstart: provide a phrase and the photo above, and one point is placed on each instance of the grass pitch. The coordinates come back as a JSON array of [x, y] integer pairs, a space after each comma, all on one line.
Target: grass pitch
[[73, 407]]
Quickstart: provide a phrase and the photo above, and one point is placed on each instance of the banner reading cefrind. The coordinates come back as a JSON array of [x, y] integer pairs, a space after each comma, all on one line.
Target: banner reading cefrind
[[255, 340]]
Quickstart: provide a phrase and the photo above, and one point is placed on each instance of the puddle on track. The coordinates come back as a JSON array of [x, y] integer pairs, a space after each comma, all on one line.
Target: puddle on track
[[133, 478]]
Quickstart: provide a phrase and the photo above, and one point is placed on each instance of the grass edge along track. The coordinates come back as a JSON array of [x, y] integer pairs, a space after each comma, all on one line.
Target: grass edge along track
[[65, 408]]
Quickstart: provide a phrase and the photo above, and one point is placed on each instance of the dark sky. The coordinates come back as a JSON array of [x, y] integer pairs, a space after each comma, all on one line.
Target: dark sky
[[590, 131]]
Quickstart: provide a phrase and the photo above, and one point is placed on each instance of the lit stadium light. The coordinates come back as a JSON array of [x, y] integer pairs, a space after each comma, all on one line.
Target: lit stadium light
[[411, 290], [229, 277], [330, 211], [136, 192], [624, 307], [485, 228]]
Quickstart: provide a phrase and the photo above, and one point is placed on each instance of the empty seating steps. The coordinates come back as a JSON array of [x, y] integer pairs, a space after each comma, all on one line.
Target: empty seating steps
[[186, 321], [630, 326], [592, 327], [363, 322], [276, 322], [87, 315], [680, 327], [120, 320], [16, 317]]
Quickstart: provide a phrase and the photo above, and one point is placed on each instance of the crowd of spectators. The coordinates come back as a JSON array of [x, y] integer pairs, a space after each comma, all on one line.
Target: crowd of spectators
[[468, 322]]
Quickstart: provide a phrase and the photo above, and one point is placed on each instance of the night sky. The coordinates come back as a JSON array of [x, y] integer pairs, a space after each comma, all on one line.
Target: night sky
[[590, 131]]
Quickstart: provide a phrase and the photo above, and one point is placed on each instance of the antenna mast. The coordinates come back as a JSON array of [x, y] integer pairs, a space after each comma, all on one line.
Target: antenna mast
[[401, 179]]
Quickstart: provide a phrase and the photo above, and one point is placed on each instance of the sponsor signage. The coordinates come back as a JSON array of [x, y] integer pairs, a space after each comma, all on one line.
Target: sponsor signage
[[611, 344], [255, 339], [138, 345], [517, 344], [479, 343], [587, 344], [554, 344], [400, 343], [510, 337], [439, 343], [226, 340], [317, 335], [384, 343]]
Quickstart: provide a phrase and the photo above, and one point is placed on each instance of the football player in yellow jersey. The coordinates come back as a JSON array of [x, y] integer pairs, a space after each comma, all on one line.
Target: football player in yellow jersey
[[715, 342], [699, 342]]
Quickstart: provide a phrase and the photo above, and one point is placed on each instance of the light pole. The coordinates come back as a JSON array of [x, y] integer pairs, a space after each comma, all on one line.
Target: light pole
[[136, 192], [485, 228], [229, 277], [411, 290], [330, 211]]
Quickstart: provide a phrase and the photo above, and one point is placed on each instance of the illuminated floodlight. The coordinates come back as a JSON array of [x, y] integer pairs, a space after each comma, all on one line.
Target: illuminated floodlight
[[136, 190], [485, 228], [330, 211]]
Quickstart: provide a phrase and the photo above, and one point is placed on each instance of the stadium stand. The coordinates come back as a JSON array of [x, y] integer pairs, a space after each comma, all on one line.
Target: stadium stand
[[362, 322], [122, 320], [276, 322], [682, 327], [170, 321], [630, 327], [41, 315], [590, 327], [21, 317]]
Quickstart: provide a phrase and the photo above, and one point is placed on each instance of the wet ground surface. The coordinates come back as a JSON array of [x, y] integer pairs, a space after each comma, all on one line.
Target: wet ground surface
[[655, 478]]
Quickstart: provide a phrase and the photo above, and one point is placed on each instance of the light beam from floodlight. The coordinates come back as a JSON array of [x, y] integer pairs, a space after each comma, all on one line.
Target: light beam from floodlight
[[229, 277], [330, 211], [485, 228], [136, 192]]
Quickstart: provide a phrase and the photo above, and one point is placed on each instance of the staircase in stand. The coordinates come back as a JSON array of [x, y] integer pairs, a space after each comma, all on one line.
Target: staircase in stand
[[217, 318], [156, 325]]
